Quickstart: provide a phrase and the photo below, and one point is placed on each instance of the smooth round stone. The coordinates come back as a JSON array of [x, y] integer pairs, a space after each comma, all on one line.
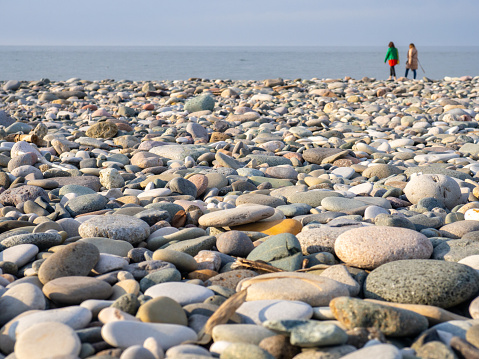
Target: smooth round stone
[[236, 216], [308, 288], [234, 243], [259, 311], [109, 246], [442, 284], [383, 351], [244, 333], [75, 317], [156, 192], [20, 254], [85, 204], [183, 261], [47, 340], [118, 227], [183, 293], [74, 290], [313, 198], [370, 247], [19, 299], [162, 310], [442, 188], [75, 259], [124, 334], [42, 240]]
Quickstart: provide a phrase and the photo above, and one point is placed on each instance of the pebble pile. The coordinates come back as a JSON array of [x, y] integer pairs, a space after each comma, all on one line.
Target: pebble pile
[[305, 219]]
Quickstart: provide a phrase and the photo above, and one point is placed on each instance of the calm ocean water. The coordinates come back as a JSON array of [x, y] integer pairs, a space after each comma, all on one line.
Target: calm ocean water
[[255, 63]]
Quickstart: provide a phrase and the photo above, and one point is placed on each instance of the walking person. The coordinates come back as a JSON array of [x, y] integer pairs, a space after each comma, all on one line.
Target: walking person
[[412, 61], [392, 56]]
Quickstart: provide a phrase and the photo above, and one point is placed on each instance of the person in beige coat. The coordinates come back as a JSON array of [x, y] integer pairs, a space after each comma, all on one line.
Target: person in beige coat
[[412, 60]]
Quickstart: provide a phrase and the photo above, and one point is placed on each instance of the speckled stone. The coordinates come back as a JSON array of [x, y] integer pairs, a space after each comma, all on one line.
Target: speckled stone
[[419, 281]]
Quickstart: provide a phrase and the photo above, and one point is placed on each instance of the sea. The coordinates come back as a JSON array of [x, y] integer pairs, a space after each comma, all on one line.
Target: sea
[[61, 63]]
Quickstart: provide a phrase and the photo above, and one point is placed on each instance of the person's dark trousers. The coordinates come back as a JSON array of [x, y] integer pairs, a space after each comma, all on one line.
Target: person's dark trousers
[[413, 72]]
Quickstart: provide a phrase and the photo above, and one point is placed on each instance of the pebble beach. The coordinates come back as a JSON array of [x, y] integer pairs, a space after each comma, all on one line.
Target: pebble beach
[[276, 219]]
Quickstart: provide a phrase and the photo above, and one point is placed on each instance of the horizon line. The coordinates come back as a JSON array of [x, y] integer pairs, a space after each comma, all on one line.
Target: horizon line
[[286, 45]]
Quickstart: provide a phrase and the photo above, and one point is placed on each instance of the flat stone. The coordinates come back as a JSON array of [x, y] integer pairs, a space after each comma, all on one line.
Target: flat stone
[[236, 216], [123, 334], [243, 333], [395, 322], [308, 288], [73, 316], [85, 204], [109, 246], [118, 227], [41, 240], [20, 254], [74, 290], [183, 293]]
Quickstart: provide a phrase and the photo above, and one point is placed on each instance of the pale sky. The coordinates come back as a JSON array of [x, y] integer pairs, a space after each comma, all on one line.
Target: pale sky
[[240, 22]]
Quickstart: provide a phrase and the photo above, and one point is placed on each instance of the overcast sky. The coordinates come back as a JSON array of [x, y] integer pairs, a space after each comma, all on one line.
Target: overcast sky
[[240, 22]]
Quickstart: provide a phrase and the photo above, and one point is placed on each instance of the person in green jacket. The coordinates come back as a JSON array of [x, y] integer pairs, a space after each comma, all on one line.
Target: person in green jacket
[[392, 56]]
